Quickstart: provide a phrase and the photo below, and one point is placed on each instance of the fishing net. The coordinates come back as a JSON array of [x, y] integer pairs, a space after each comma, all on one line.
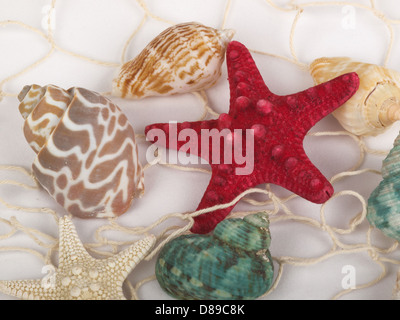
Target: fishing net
[[319, 251]]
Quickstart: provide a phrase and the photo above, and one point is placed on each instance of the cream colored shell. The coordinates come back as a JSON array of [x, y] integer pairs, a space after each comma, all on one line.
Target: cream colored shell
[[186, 57], [376, 104]]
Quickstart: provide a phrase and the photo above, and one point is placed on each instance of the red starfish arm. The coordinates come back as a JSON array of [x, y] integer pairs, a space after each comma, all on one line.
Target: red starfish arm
[[224, 187], [243, 75], [313, 104], [300, 176]]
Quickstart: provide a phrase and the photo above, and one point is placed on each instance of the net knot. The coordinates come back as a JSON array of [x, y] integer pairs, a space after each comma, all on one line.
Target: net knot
[[295, 7], [374, 255], [380, 15]]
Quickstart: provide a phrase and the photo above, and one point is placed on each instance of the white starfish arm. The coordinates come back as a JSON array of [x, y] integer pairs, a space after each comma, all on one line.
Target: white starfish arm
[[27, 289]]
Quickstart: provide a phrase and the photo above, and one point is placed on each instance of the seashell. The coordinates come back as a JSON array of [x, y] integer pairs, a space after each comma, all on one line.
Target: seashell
[[376, 104], [232, 263], [396, 288], [87, 157], [184, 58], [383, 211]]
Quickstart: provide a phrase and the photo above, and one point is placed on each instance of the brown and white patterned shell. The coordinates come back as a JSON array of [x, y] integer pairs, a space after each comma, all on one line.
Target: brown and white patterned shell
[[186, 57], [376, 104], [87, 157]]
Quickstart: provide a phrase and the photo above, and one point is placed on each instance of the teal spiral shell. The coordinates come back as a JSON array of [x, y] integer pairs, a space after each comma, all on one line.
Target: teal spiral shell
[[233, 263], [383, 210]]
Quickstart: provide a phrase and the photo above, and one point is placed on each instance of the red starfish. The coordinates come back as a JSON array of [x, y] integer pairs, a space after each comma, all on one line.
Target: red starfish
[[280, 124]]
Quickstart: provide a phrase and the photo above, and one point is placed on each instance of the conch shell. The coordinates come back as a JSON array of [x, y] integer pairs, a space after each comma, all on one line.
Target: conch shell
[[184, 58], [87, 158], [376, 104]]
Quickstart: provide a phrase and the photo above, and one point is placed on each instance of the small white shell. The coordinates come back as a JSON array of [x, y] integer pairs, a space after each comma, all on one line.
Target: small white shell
[[184, 58], [87, 158], [376, 104]]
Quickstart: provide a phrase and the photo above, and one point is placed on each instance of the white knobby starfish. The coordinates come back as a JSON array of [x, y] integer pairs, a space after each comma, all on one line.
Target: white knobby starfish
[[79, 275]]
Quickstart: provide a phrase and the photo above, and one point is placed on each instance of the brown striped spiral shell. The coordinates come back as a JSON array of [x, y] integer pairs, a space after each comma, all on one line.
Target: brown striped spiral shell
[[87, 157], [186, 57]]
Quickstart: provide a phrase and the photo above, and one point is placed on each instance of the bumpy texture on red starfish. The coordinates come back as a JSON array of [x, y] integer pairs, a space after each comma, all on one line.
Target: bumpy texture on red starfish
[[279, 125]]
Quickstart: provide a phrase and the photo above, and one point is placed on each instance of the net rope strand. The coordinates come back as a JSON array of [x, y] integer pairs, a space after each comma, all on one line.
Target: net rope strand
[[277, 208]]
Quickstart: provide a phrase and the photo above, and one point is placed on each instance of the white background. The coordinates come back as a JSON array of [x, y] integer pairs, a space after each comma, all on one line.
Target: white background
[[99, 30]]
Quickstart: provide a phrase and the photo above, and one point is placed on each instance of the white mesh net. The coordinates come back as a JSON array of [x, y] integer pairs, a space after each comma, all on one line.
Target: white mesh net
[[320, 251]]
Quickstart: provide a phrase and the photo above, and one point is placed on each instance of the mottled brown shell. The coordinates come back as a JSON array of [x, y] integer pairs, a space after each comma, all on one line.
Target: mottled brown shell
[[87, 158]]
